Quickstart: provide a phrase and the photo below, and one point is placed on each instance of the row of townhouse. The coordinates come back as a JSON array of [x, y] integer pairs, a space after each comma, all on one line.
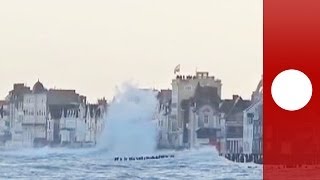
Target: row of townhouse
[[38, 117], [193, 114]]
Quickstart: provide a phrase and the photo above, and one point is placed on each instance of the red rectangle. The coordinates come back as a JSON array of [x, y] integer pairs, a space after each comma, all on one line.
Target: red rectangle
[[291, 41]]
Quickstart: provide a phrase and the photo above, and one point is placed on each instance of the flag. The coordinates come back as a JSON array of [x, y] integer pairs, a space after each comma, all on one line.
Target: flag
[[177, 69]]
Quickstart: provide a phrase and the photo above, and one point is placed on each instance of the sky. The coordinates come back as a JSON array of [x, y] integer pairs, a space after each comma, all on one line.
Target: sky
[[94, 46]]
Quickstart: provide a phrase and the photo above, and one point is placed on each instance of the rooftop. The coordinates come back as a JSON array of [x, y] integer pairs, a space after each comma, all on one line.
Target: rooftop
[[234, 105], [62, 96], [198, 75], [38, 88]]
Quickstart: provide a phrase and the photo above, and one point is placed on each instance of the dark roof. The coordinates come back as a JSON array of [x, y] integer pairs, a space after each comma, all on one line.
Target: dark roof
[[63, 97], [234, 105], [206, 95], [56, 110], [164, 96], [38, 88], [226, 105], [18, 91]]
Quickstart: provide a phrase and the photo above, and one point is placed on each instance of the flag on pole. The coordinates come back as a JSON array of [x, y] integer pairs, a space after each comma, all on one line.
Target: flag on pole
[[177, 69]]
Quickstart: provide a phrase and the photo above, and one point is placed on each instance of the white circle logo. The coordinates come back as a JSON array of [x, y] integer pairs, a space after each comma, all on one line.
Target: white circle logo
[[291, 90]]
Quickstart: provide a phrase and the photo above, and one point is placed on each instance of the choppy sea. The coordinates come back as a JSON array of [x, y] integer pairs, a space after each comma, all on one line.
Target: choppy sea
[[68, 164]]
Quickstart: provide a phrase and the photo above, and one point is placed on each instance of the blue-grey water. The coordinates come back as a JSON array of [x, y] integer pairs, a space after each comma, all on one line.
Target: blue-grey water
[[92, 164]]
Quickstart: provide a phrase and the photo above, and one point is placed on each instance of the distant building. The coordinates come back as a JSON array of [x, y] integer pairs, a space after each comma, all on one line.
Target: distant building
[[202, 117], [16, 100], [165, 128], [257, 145], [4, 123], [253, 124], [184, 88], [232, 118], [34, 116], [252, 128], [41, 117]]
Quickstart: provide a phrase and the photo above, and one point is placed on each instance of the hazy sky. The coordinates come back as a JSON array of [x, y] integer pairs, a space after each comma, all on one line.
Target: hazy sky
[[92, 46]]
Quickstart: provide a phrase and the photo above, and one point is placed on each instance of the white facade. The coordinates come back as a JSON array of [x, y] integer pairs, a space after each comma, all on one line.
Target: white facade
[[84, 127], [16, 118], [50, 128], [204, 117], [250, 115], [164, 125], [4, 121], [34, 118], [4, 125]]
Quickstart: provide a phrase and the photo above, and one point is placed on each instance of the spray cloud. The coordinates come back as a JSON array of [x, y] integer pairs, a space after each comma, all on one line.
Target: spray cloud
[[129, 129]]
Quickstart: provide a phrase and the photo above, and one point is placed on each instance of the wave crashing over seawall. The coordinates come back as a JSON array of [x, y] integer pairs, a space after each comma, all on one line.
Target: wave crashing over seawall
[[129, 128]]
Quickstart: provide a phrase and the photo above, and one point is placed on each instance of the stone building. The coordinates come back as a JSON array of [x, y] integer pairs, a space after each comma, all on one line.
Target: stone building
[[183, 88], [201, 117]]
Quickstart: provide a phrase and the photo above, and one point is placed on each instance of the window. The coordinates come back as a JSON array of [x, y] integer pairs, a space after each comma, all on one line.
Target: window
[[189, 88], [250, 118], [206, 119]]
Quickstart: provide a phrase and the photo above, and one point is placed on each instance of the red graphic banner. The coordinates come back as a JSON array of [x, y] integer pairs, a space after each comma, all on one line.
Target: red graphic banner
[[291, 41]]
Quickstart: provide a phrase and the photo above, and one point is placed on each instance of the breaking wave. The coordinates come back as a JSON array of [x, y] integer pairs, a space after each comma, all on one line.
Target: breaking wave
[[129, 126]]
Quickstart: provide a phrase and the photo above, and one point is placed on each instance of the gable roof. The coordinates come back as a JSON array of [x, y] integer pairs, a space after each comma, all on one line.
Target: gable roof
[[206, 95], [234, 105]]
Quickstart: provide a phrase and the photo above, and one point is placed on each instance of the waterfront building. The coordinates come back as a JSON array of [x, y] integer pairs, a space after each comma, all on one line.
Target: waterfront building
[[165, 130], [202, 117], [4, 123], [15, 99], [41, 117], [231, 141], [34, 119], [183, 88], [252, 124]]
